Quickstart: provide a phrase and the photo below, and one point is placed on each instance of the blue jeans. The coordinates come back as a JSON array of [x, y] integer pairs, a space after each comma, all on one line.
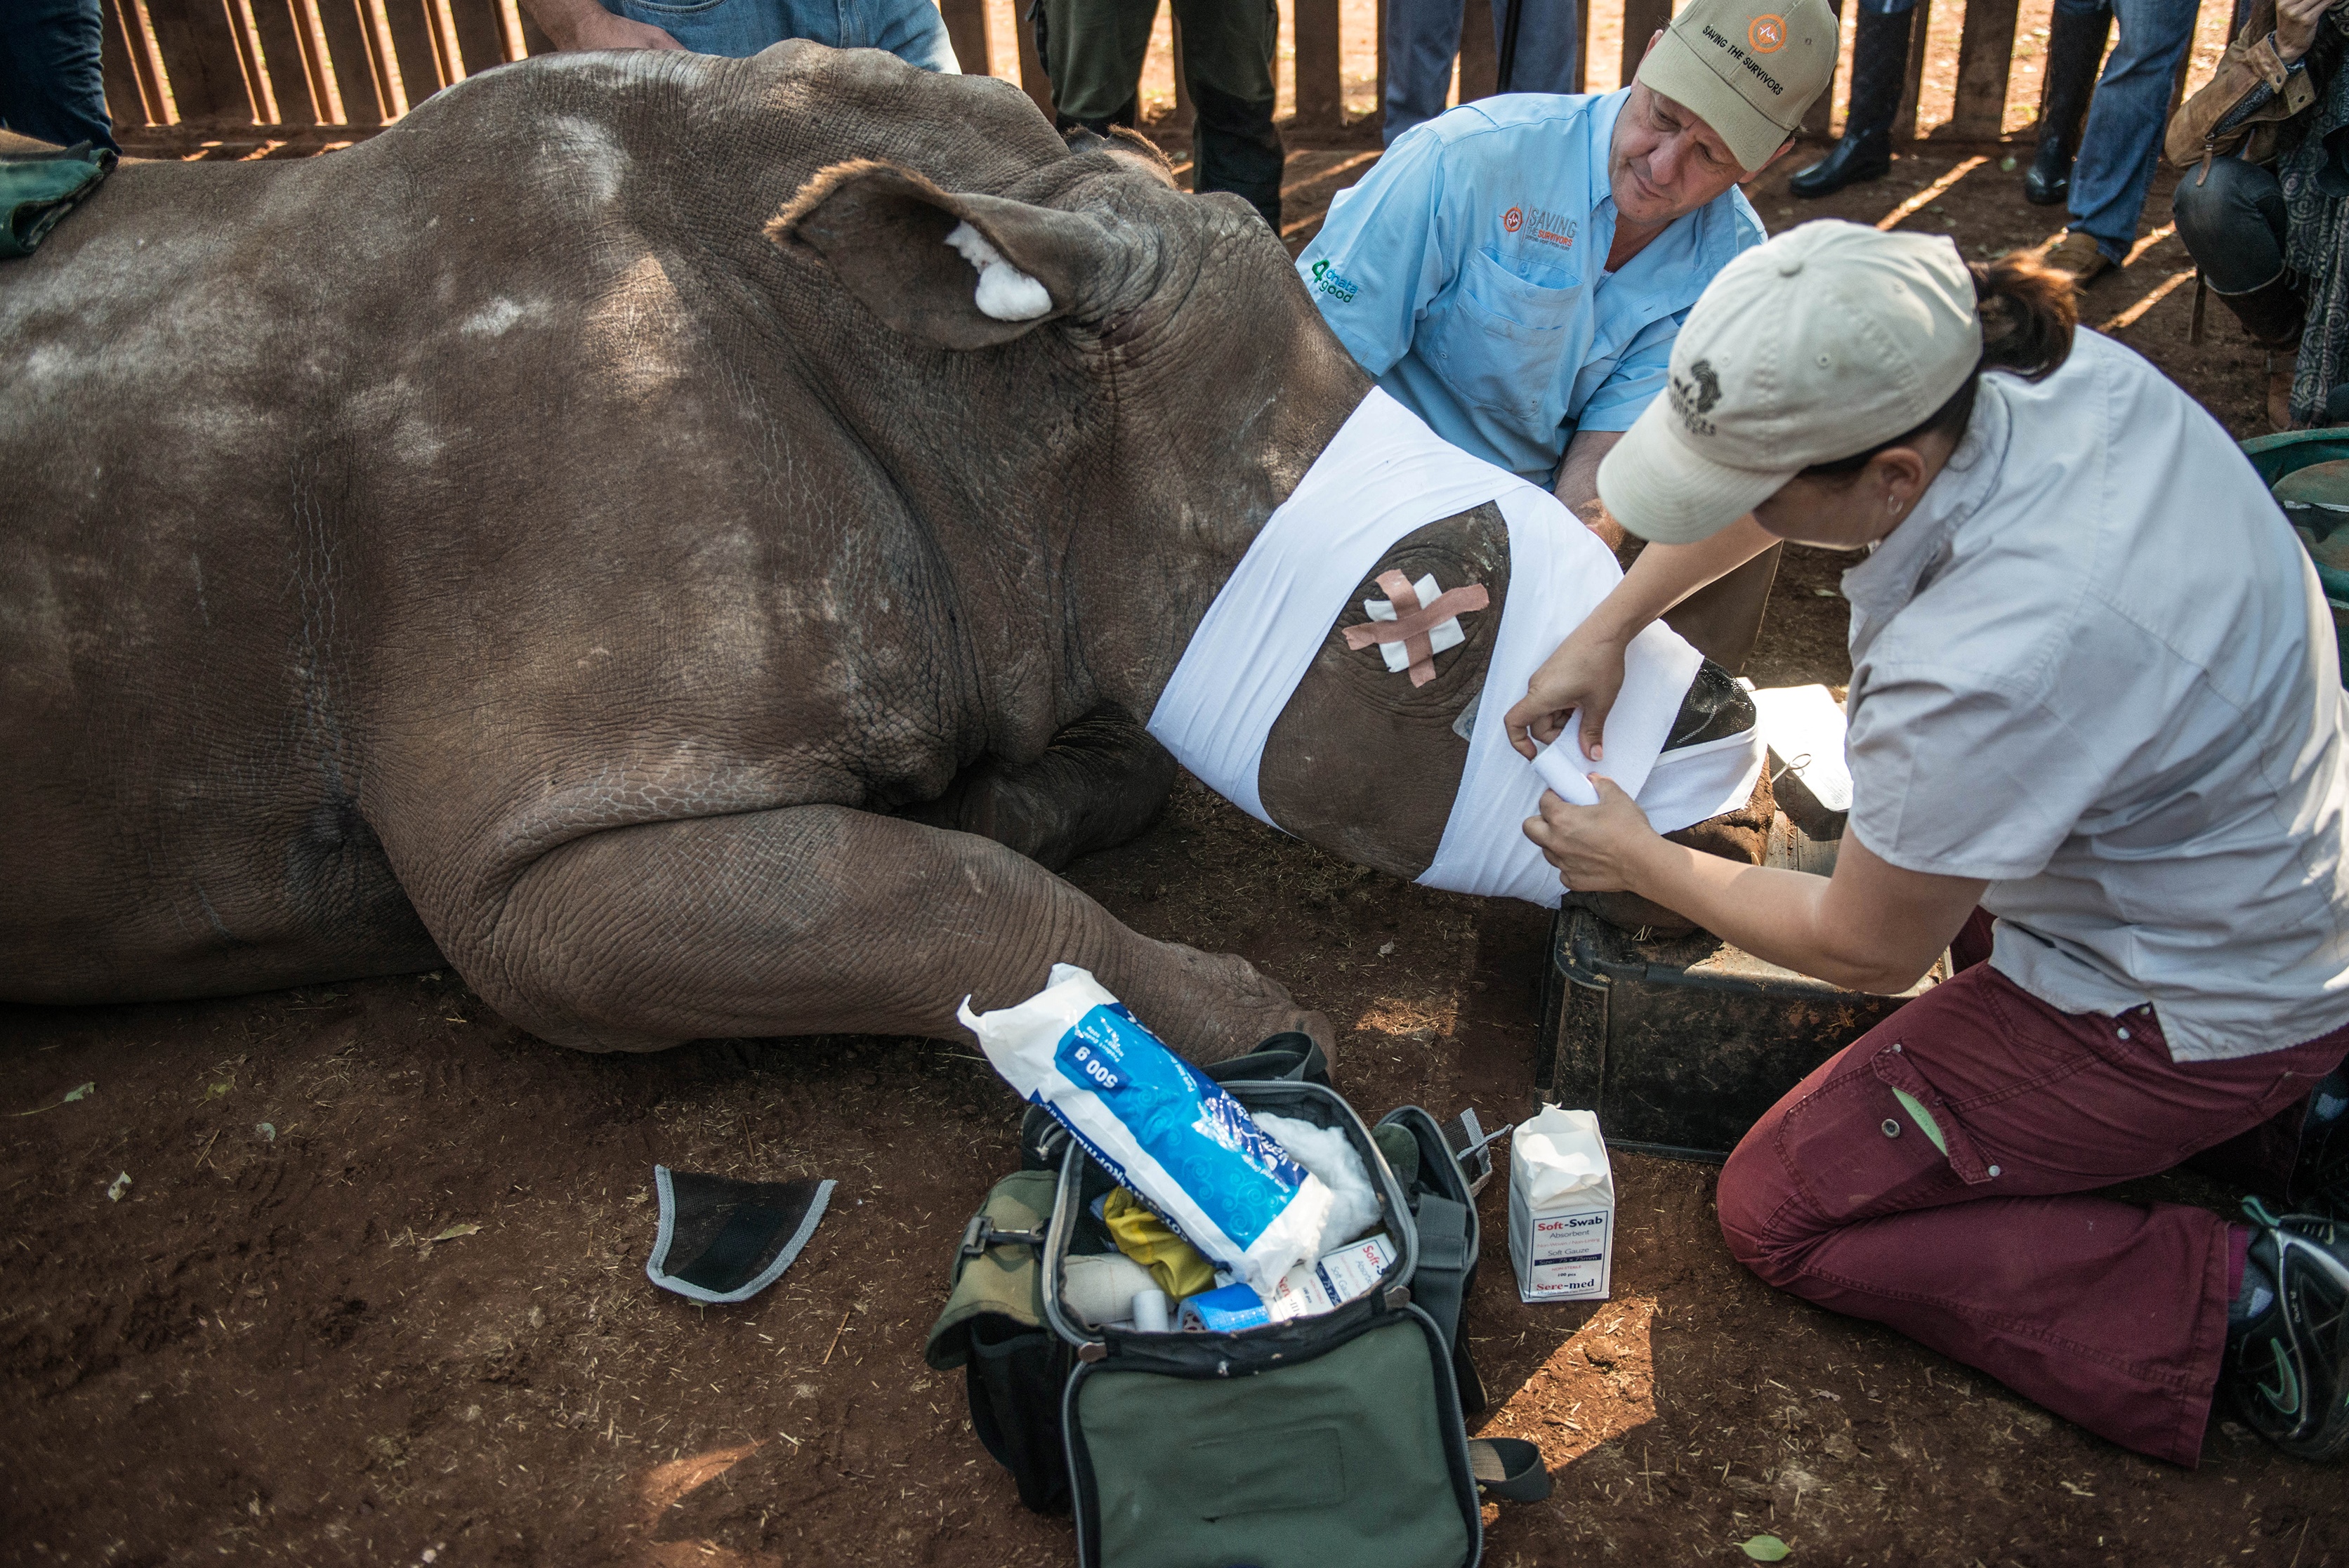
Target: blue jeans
[[2127, 116], [1423, 36], [51, 86], [2232, 224], [910, 29]]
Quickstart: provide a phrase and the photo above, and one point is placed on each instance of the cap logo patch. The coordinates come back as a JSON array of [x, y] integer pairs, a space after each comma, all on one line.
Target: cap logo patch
[[1693, 396], [1513, 220], [1767, 35]]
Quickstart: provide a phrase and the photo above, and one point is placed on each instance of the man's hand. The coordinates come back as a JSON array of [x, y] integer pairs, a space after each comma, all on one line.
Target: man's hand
[[2295, 25], [577, 25], [1592, 847], [1586, 673]]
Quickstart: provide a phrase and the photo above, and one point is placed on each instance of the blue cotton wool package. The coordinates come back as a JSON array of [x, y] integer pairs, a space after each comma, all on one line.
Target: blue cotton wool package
[[1159, 1126]]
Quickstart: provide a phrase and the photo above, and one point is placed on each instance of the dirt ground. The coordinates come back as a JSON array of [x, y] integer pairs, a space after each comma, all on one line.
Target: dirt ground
[[372, 1290]]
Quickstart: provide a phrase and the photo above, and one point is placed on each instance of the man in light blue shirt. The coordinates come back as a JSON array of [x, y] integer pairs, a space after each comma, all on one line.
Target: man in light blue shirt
[[1515, 270]]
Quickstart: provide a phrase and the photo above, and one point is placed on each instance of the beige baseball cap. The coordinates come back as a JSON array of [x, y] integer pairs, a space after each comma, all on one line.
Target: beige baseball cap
[[1748, 68], [1825, 341]]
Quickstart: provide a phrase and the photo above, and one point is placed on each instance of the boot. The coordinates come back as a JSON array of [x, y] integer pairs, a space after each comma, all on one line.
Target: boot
[[2076, 48], [2270, 318], [1880, 71]]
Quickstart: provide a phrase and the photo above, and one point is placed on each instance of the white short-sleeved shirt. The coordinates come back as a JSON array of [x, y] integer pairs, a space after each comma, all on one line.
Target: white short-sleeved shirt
[[2096, 668]]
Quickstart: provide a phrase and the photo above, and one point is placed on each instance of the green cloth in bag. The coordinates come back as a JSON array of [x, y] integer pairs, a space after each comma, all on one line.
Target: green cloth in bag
[[1338, 1460]]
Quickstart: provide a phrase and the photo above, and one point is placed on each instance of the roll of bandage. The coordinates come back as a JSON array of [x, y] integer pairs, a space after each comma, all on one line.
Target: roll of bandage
[[1101, 1289]]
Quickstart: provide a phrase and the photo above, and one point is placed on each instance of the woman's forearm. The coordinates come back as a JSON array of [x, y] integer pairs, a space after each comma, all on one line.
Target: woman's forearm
[[1664, 575], [1872, 927]]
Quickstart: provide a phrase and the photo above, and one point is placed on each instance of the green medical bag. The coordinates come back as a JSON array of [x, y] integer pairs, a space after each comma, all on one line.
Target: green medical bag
[[1340, 1439]]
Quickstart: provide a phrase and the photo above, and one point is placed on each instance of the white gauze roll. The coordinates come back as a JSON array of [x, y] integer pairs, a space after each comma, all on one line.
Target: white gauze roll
[[1331, 1155]]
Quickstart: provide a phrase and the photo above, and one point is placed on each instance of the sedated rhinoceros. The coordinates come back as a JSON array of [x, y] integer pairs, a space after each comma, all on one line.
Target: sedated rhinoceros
[[506, 544]]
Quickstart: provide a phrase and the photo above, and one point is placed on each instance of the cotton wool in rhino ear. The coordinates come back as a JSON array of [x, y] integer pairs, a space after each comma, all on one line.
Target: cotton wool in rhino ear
[[1005, 293]]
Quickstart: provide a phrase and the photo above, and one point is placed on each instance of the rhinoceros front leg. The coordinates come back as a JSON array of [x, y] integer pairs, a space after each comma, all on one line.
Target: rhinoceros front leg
[[824, 920], [1102, 781]]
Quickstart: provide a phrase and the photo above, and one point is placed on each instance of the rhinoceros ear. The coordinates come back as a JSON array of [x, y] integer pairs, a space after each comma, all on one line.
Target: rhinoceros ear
[[960, 270]]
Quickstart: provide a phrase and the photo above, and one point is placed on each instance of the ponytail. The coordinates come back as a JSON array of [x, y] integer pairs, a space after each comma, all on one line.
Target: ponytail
[[2028, 310]]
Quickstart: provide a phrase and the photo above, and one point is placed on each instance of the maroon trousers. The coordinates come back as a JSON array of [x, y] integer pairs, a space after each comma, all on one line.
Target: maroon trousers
[[1996, 1254]]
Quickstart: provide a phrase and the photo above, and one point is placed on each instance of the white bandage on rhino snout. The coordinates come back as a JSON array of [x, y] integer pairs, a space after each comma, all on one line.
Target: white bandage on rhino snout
[[1004, 292]]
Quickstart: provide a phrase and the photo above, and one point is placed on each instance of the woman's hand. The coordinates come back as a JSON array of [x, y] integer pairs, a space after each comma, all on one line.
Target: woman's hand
[[1586, 673], [1593, 847], [2295, 25]]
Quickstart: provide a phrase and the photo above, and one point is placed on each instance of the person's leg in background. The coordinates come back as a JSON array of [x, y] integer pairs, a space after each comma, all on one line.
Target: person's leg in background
[[1936, 1176], [1228, 49], [52, 83], [2123, 139], [2076, 35], [1094, 51], [1879, 73], [1422, 37], [1549, 38], [2230, 218]]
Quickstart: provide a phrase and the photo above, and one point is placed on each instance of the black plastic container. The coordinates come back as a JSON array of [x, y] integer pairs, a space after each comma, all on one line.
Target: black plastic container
[[1681, 1043]]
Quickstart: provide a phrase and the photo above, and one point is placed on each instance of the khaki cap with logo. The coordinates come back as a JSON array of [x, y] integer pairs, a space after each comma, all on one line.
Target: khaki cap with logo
[[1748, 68], [1821, 344]]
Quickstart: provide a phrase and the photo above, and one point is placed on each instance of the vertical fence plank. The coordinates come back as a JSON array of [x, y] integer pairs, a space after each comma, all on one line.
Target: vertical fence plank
[[1320, 75], [286, 55], [407, 30], [441, 18], [348, 59], [1032, 79], [201, 60], [481, 44], [246, 36], [1985, 61], [1185, 112], [137, 92], [1819, 119], [1904, 122], [1582, 49], [1379, 103], [1480, 62], [391, 87], [1641, 18], [967, 31]]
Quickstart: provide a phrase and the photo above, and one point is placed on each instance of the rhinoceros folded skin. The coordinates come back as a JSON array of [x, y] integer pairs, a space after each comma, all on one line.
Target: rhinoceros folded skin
[[589, 534]]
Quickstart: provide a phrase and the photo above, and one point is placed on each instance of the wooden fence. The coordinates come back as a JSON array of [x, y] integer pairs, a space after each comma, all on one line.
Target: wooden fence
[[313, 68]]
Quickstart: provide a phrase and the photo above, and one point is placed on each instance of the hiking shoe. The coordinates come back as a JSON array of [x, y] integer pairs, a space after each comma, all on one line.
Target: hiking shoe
[[2286, 1368], [2078, 254]]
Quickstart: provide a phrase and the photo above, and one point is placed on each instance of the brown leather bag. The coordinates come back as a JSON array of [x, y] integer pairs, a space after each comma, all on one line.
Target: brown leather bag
[[2252, 62]]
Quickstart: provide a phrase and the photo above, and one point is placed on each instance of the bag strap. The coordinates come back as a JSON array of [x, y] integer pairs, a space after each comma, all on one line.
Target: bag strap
[[1290, 1057], [1443, 1262], [1509, 1468]]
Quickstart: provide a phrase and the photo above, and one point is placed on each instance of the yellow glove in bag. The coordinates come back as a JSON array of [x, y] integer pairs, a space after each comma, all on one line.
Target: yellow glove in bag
[[1178, 1267]]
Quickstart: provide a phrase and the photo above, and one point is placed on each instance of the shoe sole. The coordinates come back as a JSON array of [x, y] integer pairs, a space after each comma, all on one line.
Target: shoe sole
[[2300, 1402]]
